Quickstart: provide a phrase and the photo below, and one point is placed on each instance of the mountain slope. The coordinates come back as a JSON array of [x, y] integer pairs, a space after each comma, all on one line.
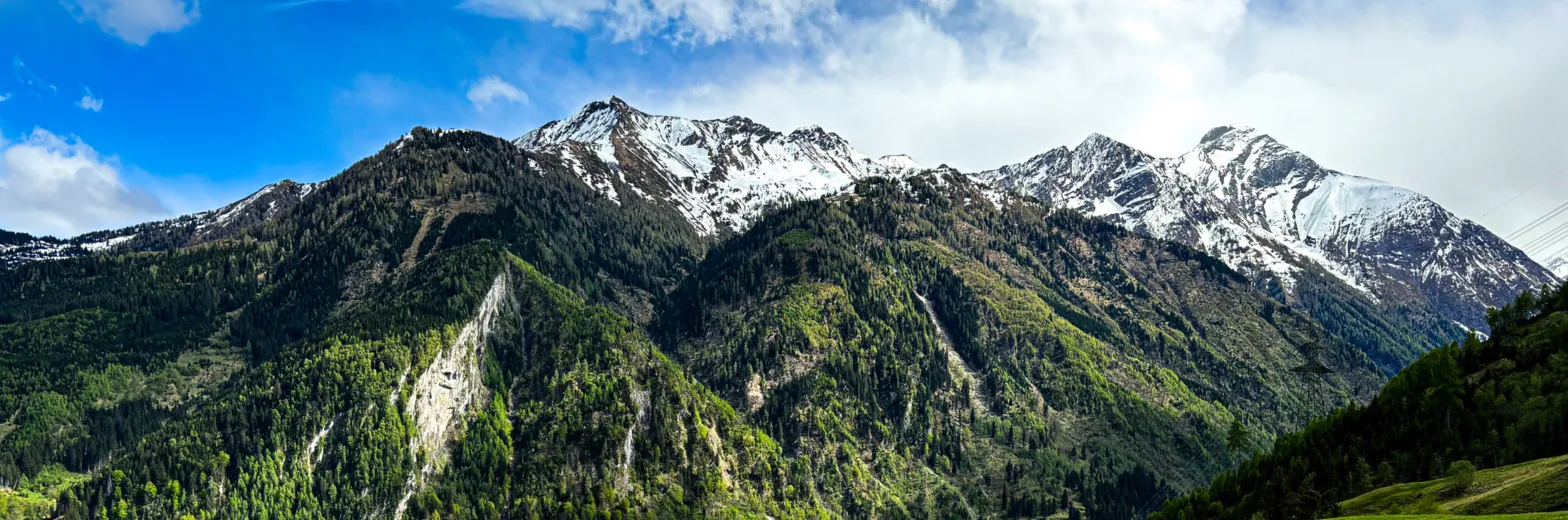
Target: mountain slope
[[1559, 266], [1382, 267], [1492, 403], [95, 352], [1007, 339], [188, 230], [1295, 227], [143, 339], [1529, 487]]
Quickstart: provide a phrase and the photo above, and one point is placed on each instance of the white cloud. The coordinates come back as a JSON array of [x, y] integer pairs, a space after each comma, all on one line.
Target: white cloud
[[703, 21], [55, 185], [89, 102], [486, 91], [1458, 100], [136, 21], [4, 96]]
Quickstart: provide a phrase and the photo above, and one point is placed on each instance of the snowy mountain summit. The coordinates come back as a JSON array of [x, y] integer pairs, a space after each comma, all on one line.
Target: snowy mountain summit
[[1277, 215], [1559, 266], [718, 173]]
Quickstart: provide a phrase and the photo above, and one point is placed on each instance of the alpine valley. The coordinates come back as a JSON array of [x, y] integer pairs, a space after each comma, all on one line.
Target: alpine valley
[[626, 315]]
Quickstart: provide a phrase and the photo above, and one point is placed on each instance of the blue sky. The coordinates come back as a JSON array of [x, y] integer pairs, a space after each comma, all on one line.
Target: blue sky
[[252, 92], [117, 111]]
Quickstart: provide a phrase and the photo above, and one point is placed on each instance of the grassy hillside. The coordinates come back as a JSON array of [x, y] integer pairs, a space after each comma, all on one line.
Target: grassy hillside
[[1535, 486], [1490, 403], [1524, 516]]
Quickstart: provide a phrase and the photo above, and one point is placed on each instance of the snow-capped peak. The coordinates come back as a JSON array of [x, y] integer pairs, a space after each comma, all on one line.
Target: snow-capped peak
[[1227, 132], [1559, 266], [1265, 208], [718, 173], [594, 124]]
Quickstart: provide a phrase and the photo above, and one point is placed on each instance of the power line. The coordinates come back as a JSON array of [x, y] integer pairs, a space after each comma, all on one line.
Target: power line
[[1505, 203], [1538, 237], [1549, 237], [1537, 222]]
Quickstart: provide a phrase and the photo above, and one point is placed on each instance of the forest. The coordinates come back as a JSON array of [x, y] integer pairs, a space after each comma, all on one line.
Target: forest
[[458, 328]]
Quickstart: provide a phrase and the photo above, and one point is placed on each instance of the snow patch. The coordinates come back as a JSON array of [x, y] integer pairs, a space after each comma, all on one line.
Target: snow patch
[[1559, 267], [1107, 206], [106, 245], [898, 162]]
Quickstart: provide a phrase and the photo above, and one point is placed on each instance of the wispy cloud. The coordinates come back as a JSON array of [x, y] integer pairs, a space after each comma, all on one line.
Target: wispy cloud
[[4, 96], [27, 78], [136, 21], [90, 103], [492, 88], [291, 4], [698, 21], [376, 92]]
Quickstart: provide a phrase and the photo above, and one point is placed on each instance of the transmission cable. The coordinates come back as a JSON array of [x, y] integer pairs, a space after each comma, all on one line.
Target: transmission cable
[[1537, 222], [1548, 238], [1505, 203]]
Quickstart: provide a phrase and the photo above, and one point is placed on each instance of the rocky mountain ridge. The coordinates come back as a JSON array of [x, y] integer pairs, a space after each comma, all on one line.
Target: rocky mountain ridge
[[186, 230], [719, 173], [1272, 212]]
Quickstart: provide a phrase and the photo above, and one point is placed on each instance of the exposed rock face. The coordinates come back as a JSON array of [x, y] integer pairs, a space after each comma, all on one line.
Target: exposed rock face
[[444, 394]]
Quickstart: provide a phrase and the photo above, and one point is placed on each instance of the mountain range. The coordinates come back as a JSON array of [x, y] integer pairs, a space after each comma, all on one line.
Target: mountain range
[[1273, 212], [1299, 230], [623, 314], [1240, 195]]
